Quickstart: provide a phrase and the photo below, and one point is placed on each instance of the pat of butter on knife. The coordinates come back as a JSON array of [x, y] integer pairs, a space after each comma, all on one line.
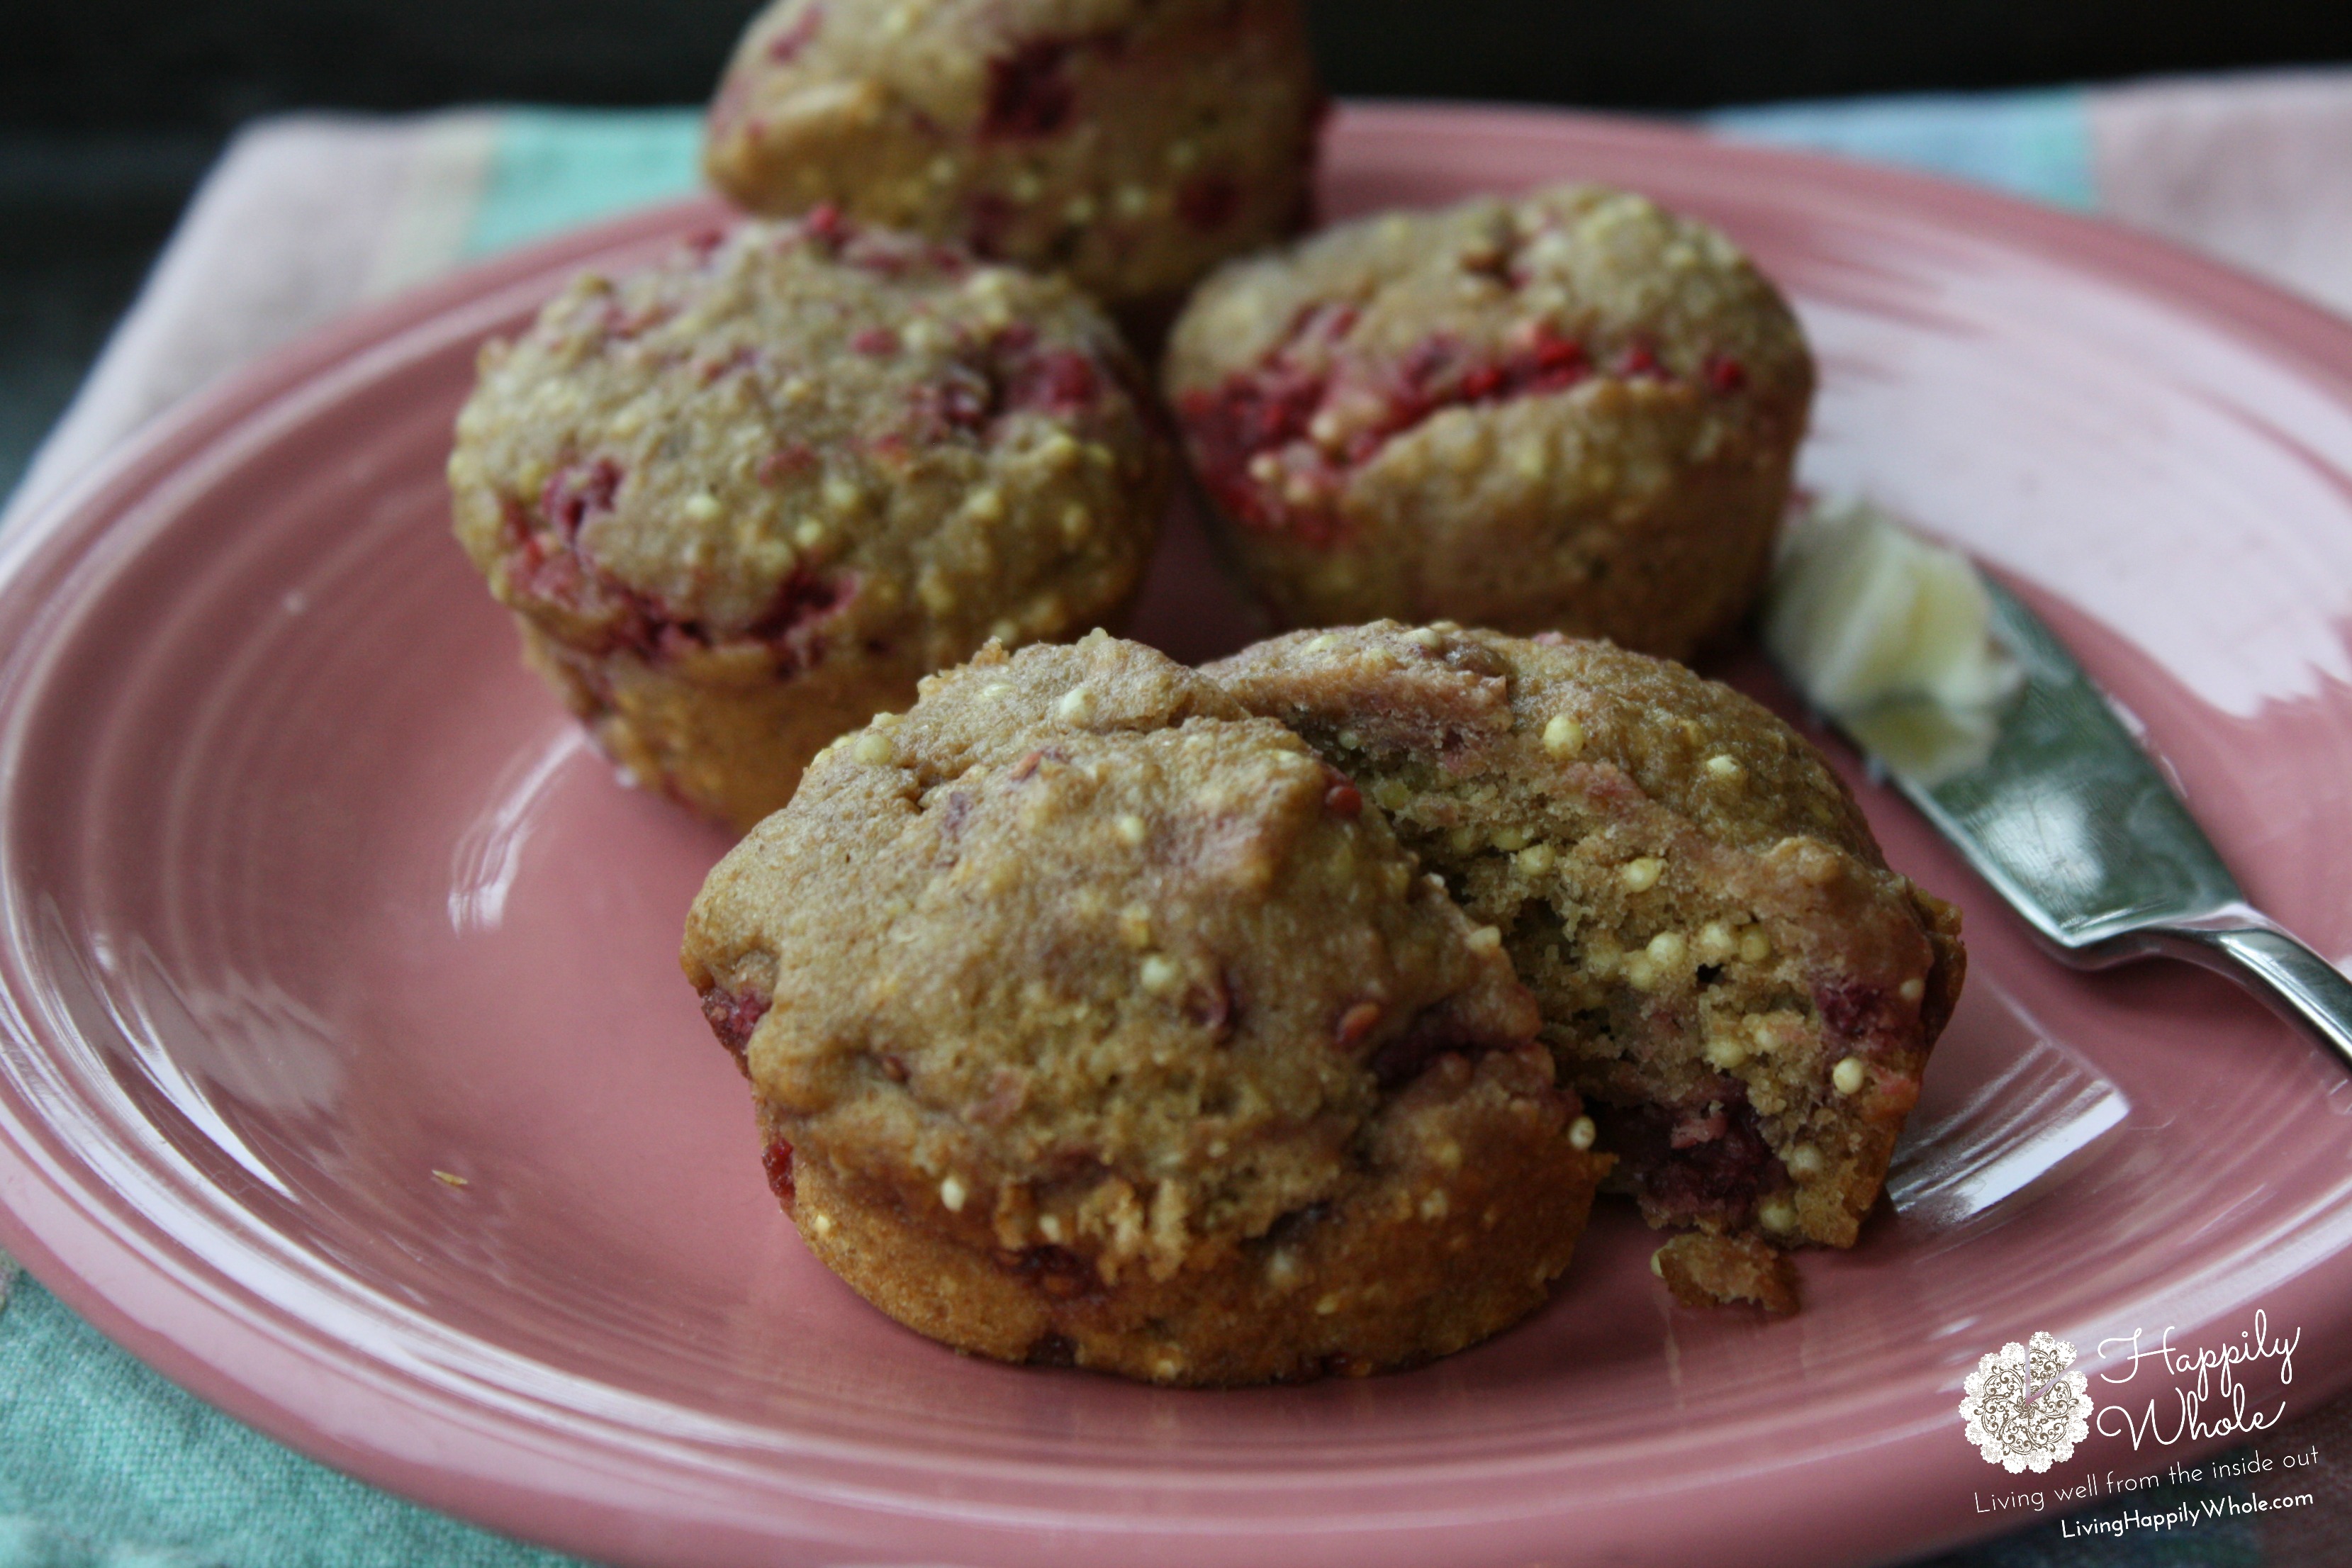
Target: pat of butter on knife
[[1892, 636], [1997, 735]]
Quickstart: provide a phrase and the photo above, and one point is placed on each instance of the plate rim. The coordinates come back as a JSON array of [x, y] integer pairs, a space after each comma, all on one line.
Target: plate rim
[[100, 1271]]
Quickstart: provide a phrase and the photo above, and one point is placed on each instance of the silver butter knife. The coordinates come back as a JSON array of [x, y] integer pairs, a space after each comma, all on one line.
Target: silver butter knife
[[2059, 808]]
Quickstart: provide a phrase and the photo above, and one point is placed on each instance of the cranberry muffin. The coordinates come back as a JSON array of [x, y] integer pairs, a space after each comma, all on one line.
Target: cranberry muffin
[[1092, 1021], [1569, 411], [1742, 991], [1132, 143], [743, 500]]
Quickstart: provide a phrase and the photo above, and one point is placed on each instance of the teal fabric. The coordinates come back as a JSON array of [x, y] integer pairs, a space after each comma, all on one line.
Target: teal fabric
[[553, 169], [556, 169], [2033, 144], [104, 1463]]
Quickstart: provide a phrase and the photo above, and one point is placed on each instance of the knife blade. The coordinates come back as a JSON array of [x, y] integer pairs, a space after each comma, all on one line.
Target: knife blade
[[2054, 803]]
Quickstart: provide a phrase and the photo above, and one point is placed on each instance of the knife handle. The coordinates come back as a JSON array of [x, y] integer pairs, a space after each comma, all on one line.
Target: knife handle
[[2258, 953]]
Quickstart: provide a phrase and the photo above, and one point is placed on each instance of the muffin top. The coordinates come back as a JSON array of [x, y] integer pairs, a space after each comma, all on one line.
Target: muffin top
[[1362, 351], [998, 69], [1576, 716], [1076, 934], [1134, 144], [804, 438]]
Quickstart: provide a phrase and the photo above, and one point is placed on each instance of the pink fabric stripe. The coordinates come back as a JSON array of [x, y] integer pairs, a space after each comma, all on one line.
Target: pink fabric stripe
[[2254, 169]]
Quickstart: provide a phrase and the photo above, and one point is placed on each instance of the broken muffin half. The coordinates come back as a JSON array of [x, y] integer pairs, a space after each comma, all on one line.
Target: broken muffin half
[[1729, 973]]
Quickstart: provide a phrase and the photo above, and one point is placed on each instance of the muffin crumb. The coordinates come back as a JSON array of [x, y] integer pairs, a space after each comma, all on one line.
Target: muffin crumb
[[1721, 1270]]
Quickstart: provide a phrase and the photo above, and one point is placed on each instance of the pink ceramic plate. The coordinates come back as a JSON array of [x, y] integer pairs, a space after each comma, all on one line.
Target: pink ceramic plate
[[310, 893]]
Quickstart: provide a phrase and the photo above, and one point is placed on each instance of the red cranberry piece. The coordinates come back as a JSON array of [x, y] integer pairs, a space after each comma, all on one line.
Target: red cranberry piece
[[744, 358], [961, 400], [617, 321], [554, 579], [1272, 408], [562, 575], [1723, 1175], [1691, 1130], [1210, 1005], [803, 603], [1249, 414], [987, 220], [777, 1160], [1640, 359], [1855, 1013], [576, 492], [1427, 364], [826, 224], [733, 1019], [1354, 1024], [1059, 382], [1549, 363], [1026, 768], [1342, 798], [1318, 324], [1725, 375], [1209, 202], [1552, 362], [880, 343], [958, 809], [1056, 1271], [1028, 92], [1437, 1031], [797, 457], [786, 46], [884, 255]]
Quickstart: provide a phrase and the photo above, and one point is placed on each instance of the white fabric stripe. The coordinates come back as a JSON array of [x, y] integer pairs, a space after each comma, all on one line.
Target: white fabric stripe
[[284, 234], [449, 171], [2254, 169]]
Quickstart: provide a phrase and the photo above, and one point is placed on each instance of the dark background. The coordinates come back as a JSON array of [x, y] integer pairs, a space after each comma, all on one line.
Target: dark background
[[206, 64], [109, 110]]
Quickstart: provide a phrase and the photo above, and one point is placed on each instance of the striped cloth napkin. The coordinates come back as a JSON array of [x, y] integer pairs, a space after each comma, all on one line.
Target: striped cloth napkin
[[103, 1464]]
